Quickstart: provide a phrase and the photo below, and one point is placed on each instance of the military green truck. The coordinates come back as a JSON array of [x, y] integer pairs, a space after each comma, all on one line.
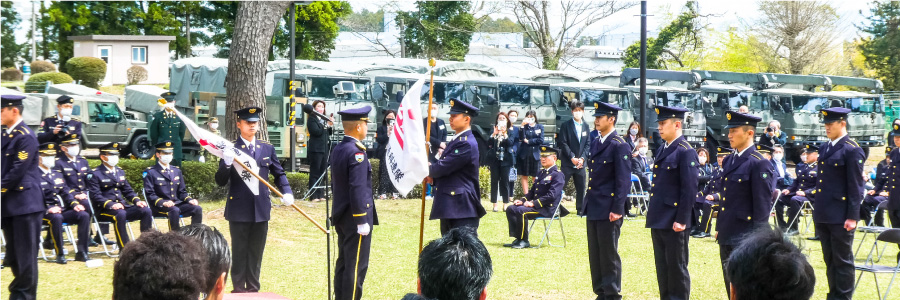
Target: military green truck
[[672, 88], [562, 95], [387, 88], [492, 95]]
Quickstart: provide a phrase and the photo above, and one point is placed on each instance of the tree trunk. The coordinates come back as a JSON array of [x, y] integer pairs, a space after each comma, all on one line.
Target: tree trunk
[[187, 33], [245, 82]]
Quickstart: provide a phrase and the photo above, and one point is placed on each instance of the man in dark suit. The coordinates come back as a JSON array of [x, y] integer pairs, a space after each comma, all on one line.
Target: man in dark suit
[[165, 125], [838, 195], [610, 182], [747, 186], [110, 193], [437, 140], [248, 210], [801, 190], [165, 190], [541, 201], [457, 196], [61, 207], [672, 192], [54, 129], [574, 143], [22, 207], [353, 209]]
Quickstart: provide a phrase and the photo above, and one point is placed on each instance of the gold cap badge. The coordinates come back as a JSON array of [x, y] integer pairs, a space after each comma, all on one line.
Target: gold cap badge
[[252, 110], [168, 144], [728, 115]]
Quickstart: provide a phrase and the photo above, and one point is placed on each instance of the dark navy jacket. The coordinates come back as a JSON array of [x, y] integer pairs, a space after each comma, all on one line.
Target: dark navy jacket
[[318, 134], [351, 181], [164, 185], [438, 136], [839, 191], [713, 187], [74, 172], [497, 146], [457, 194], [891, 187], [535, 137], [610, 177], [242, 205], [46, 134], [806, 180], [747, 190], [674, 187], [546, 191], [52, 185], [21, 179], [567, 139], [108, 187]]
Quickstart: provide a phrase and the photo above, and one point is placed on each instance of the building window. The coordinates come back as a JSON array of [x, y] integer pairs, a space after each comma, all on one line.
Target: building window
[[139, 55]]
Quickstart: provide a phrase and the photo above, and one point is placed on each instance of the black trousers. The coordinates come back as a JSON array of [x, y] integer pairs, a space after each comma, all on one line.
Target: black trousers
[[248, 241], [500, 182], [317, 166], [79, 218], [724, 253], [670, 250], [385, 185], [120, 218], [447, 224], [603, 254], [351, 264], [578, 176], [21, 233], [866, 209], [702, 220], [837, 249], [894, 216], [793, 204], [517, 217], [184, 209]]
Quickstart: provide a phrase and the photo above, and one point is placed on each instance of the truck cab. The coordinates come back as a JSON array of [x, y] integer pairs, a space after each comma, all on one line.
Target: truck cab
[[386, 88], [866, 119], [501, 94], [562, 95], [694, 130]]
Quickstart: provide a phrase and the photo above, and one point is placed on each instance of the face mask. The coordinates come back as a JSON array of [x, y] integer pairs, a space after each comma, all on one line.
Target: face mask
[[513, 119], [702, 159], [577, 115], [633, 131], [529, 120], [112, 160], [642, 150], [778, 156], [48, 161], [214, 125], [72, 151], [65, 112], [166, 159]]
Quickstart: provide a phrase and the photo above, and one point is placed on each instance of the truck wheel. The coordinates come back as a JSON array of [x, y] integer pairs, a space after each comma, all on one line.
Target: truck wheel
[[140, 147]]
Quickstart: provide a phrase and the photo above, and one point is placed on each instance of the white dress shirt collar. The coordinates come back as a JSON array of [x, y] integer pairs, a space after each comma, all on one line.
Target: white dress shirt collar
[[603, 137], [834, 142], [10, 128]]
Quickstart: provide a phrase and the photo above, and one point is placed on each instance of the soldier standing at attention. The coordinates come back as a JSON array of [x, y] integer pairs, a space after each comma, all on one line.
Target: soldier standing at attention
[[22, 207], [248, 214], [353, 209], [672, 193], [165, 125], [165, 190], [608, 186], [838, 195], [748, 187], [54, 129], [457, 196]]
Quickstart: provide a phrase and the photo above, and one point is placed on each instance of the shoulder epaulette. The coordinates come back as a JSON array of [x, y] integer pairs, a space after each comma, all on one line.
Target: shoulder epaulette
[[177, 167], [265, 142], [852, 143], [148, 168], [619, 139], [756, 155], [685, 144], [360, 146]]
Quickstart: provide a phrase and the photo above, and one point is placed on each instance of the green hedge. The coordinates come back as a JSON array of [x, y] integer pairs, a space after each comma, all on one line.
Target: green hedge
[[90, 70], [55, 77]]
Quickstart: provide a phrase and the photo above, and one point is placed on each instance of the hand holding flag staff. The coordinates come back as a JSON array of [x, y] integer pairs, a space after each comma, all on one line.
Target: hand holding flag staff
[[246, 165]]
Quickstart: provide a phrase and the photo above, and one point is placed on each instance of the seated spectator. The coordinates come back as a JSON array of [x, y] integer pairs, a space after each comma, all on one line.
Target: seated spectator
[[161, 267], [879, 193], [166, 192], [218, 258], [541, 201], [640, 167], [456, 266], [784, 177], [767, 266]]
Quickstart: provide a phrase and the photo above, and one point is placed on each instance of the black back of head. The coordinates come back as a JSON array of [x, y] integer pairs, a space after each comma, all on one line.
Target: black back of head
[[456, 266], [767, 266], [217, 252], [575, 104], [160, 266]]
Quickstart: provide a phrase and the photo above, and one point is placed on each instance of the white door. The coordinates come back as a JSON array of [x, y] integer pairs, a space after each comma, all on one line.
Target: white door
[[104, 53]]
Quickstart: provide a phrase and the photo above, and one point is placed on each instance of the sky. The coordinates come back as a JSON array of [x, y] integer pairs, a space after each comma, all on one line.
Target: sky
[[725, 14]]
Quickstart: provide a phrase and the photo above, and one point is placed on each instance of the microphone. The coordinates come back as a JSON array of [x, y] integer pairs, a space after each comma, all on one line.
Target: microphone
[[312, 111]]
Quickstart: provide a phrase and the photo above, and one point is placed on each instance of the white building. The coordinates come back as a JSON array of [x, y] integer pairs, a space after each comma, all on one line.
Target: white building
[[123, 51]]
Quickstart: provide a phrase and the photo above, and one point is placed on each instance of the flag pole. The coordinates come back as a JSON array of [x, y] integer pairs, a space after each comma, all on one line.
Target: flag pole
[[431, 63]]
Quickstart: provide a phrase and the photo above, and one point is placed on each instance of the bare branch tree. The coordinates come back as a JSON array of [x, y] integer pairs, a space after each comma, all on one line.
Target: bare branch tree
[[555, 37], [795, 35]]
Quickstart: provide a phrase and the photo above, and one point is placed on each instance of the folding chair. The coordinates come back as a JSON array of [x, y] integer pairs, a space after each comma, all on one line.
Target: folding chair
[[67, 230], [158, 216], [871, 228], [806, 209], [890, 236], [555, 217], [638, 195], [107, 250]]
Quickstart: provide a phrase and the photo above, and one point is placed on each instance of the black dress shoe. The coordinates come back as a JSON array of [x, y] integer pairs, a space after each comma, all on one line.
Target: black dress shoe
[[630, 215], [61, 259], [815, 238], [516, 241], [107, 241], [47, 245], [81, 256], [703, 234], [92, 243], [521, 244]]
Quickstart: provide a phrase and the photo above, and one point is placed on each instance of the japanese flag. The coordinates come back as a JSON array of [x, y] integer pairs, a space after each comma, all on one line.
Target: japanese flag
[[406, 157]]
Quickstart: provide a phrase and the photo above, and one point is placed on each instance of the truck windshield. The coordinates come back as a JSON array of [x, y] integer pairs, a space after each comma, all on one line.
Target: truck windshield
[[678, 99], [810, 104], [443, 91], [865, 105], [323, 88], [613, 97], [523, 94]]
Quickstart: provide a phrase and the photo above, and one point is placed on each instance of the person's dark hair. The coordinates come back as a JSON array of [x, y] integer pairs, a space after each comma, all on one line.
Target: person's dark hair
[[575, 104], [512, 111], [767, 266], [508, 123], [533, 114], [218, 256], [386, 113], [160, 266], [19, 107], [703, 150], [317, 103], [456, 266], [634, 123]]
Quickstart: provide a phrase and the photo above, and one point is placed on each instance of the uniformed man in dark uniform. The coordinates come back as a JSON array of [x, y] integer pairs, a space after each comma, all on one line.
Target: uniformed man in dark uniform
[[457, 196], [838, 195], [353, 209], [165, 190], [61, 207], [248, 214], [803, 189], [74, 170], [748, 187], [709, 198], [878, 194], [541, 201], [21, 206], [610, 181], [672, 193], [165, 125], [894, 174], [56, 128], [111, 193]]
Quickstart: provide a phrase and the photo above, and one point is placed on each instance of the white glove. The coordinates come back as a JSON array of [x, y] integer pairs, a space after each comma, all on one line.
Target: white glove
[[363, 229], [287, 199], [228, 156], [202, 159]]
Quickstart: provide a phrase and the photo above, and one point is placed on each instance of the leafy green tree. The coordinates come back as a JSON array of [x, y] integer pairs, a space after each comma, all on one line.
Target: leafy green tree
[[438, 29], [504, 24], [218, 17], [9, 50], [92, 17], [317, 28], [882, 50], [363, 21], [683, 25]]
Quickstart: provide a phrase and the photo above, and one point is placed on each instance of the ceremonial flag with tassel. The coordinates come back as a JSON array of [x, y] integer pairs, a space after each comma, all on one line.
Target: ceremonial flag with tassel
[[406, 156]]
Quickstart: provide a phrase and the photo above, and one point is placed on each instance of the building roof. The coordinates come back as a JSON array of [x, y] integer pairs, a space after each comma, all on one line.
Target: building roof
[[147, 38]]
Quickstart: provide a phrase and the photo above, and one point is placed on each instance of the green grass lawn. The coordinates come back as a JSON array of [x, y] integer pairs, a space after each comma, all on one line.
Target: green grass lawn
[[294, 263]]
